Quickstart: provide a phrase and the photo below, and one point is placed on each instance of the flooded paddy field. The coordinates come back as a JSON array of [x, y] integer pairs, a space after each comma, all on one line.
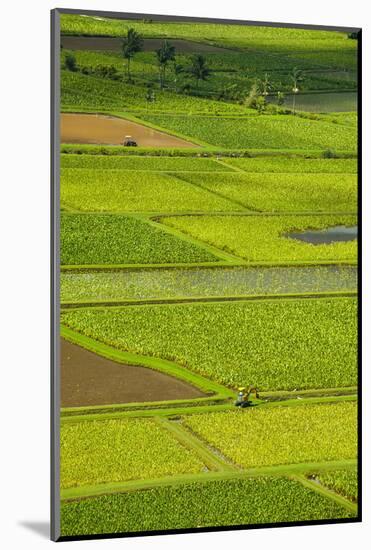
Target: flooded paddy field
[[88, 379], [109, 44], [324, 102], [337, 234], [109, 130], [90, 287]]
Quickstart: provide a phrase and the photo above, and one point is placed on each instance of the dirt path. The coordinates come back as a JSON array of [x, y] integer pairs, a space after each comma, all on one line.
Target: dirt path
[[108, 130], [89, 379], [109, 44]]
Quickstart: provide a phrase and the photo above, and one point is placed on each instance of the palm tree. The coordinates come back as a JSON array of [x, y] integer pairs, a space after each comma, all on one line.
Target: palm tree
[[178, 69], [131, 44], [199, 70], [253, 95], [266, 85], [150, 95], [165, 54], [296, 76]]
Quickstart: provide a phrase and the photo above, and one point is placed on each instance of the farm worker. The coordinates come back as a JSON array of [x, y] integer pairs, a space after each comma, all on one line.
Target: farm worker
[[240, 397]]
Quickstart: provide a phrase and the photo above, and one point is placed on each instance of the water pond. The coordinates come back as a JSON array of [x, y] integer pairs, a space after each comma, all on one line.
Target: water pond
[[337, 234]]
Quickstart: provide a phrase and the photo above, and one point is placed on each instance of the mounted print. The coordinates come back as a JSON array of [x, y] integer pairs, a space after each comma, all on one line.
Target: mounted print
[[205, 205]]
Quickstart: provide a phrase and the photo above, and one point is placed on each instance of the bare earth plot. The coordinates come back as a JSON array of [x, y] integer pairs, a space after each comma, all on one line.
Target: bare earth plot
[[108, 130], [89, 379]]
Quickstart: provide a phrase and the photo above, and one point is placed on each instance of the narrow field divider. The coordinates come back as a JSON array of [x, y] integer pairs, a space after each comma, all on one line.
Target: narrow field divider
[[290, 470], [328, 493]]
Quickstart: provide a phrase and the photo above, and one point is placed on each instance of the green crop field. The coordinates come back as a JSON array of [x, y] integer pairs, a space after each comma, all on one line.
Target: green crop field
[[120, 450], [147, 164], [281, 435], [270, 500], [261, 132], [296, 166], [194, 282], [266, 238], [283, 344], [344, 482], [321, 47], [283, 192], [105, 239], [228, 69], [187, 285], [79, 91], [94, 190]]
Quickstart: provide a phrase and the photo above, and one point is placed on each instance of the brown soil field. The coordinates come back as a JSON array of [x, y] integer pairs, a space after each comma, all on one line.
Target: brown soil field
[[108, 130], [90, 379], [108, 44]]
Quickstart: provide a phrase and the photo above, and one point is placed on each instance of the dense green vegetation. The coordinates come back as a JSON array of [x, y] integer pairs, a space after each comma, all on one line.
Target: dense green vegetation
[[222, 281], [281, 435], [95, 190], [344, 482], [233, 72], [294, 165], [282, 344], [79, 91], [265, 238], [119, 450], [110, 239], [140, 164], [282, 192], [319, 47], [260, 132], [233, 502]]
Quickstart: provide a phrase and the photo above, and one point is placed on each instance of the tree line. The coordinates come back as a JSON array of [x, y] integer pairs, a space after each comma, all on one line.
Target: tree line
[[198, 69], [133, 43]]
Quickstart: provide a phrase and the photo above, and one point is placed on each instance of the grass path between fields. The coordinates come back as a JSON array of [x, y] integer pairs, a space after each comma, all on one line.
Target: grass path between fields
[[326, 492], [93, 414], [218, 468], [293, 471], [191, 441], [217, 397], [221, 256]]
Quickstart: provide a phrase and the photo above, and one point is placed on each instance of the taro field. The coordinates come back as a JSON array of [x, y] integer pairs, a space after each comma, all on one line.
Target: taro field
[[219, 253]]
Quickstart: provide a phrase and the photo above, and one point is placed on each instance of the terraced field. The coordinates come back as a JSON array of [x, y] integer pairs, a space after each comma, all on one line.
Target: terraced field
[[344, 482], [274, 192], [89, 239], [197, 282], [263, 343], [183, 258], [119, 450], [260, 132], [93, 190], [148, 164], [271, 500], [267, 437], [267, 238]]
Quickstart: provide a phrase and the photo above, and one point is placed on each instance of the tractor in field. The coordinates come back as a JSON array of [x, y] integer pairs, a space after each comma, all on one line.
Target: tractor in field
[[129, 142], [243, 396]]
